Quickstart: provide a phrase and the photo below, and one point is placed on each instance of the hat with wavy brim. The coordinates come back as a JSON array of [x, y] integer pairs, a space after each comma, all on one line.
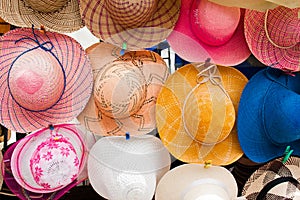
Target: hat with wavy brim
[[55, 15], [45, 78], [122, 168], [273, 37], [194, 181], [135, 23], [208, 30], [275, 180], [196, 111], [125, 91], [267, 120]]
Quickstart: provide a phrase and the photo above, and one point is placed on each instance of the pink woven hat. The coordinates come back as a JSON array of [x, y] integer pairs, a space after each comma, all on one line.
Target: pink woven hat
[[25, 194], [45, 78], [49, 159], [208, 30], [274, 37], [134, 23], [125, 91]]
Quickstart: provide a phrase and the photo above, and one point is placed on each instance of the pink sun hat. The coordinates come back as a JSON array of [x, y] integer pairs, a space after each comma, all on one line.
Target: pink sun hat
[[274, 37], [45, 78], [49, 159], [208, 30]]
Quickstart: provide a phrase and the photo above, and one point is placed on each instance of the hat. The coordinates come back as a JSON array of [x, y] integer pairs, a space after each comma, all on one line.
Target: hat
[[267, 118], [54, 15], [259, 5], [46, 79], [195, 113], [208, 30], [134, 23], [49, 159], [125, 91], [289, 4], [274, 180], [273, 37], [120, 168], [194, 181]]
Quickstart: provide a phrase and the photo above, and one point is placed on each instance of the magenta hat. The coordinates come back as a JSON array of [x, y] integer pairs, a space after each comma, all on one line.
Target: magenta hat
[[49, 159], [274, 37], [208, 30], [45, 78]]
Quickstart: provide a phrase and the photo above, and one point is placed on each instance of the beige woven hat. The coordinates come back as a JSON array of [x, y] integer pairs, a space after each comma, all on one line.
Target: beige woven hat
[[54, 15], [195, 113]]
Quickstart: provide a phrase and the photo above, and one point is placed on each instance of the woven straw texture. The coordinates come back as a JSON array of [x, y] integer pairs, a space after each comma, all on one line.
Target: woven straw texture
[[206, 131], [42, 84], [282, 47], [59, 16], [140, 24], [138, 75], [271, 171]]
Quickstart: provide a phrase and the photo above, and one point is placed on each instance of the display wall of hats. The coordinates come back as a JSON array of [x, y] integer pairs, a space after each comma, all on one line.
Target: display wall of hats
[[102, 113]]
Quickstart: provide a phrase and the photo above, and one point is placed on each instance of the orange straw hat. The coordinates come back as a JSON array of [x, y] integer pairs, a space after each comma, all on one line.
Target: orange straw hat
[[125, 91], [195, 113]]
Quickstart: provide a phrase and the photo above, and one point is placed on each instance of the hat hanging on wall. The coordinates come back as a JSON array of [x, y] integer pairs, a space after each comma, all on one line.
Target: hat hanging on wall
[[196, 111], [208, 30], [194, 181], [125, 91], [55, 15], [46, 78], [273, 37], [267, 117], [127, 168], [134, 23], [275, 180], [25, 194]]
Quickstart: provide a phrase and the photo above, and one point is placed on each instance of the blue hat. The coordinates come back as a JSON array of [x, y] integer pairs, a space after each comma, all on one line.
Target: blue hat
[[269, 115]]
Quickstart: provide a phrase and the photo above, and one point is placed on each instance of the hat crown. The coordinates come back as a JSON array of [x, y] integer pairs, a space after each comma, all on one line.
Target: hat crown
[[212, 23], [46, 5], [131, 13], [36, 80]]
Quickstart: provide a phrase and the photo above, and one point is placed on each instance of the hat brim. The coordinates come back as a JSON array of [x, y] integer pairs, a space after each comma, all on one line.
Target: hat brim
[[154, 31], [67, 19], [175, 182], [185, 43], [170, 125], [78, 77]]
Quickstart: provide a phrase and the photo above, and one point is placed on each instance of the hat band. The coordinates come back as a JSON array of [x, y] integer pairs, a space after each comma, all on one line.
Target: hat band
[[262, 194]]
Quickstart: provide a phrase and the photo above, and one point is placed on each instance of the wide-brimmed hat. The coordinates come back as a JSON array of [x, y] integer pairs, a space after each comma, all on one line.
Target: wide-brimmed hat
[[136, 24], [194, 181], [289, 4], [54, 15], [46, 78], [267, 120], [125, 91], [49, 159], [127, 168], [273, 37], [208, 30], [275, 180], [196, 110]]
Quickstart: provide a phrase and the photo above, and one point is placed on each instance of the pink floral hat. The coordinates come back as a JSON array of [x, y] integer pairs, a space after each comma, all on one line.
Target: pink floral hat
[[49, 159]]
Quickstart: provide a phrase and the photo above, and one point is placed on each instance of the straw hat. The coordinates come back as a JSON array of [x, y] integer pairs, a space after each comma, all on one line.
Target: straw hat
[[194, 181], [273, 37], [189, 133], [55, 15], [137, 24], [289, 4], [120, 168], [267, 118], [125, 91], [46, 79], [211, 31], [275, 180], [260, 5]]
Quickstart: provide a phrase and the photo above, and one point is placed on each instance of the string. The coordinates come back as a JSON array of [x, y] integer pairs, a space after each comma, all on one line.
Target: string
[[268, 36]]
